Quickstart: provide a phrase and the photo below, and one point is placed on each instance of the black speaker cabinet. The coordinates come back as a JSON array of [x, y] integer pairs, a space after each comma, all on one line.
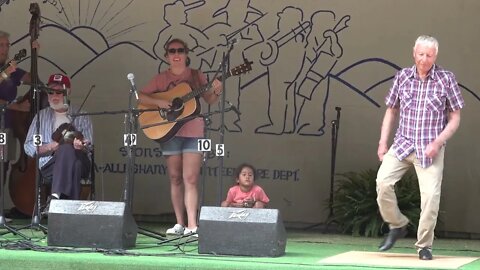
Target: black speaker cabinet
[[95, 224], [241, 231]]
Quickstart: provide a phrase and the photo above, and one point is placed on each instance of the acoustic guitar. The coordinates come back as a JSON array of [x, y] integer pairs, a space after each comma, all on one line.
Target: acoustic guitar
[[162, 124]]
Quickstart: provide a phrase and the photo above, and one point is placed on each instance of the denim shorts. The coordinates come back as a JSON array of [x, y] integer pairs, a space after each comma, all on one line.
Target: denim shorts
[[179, 145]]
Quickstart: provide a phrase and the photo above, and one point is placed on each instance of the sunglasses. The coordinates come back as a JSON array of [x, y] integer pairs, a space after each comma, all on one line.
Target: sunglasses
[[52, 92], [178, 50]]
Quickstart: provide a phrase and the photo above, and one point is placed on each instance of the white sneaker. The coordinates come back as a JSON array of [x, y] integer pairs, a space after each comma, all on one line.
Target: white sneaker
[[191, 232], [176, 230]]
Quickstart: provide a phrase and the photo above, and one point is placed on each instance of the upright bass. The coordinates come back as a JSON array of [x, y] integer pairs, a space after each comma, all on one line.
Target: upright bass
[[22, 177]]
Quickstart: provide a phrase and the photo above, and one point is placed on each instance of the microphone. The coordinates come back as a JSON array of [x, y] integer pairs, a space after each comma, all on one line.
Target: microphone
[[66, 102], [130, 77], [233, 107], [337, 122], [231, 42]]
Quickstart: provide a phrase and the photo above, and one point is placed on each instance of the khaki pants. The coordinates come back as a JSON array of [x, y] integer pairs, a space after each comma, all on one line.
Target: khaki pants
[[430, 183]]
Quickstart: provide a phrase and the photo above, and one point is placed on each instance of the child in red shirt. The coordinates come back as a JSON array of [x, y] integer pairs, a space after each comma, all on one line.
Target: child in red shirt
[[246, 193]]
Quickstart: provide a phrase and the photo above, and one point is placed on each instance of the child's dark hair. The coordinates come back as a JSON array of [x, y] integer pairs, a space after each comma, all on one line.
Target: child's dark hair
[[184, 44], [239, 169]]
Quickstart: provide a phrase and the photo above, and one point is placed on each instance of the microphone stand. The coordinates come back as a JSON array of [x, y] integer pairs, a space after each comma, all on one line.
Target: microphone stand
[[335, 128], [333, 157], [3, 160], [207, 121], [224, 67], [36, 215], [131, 128]]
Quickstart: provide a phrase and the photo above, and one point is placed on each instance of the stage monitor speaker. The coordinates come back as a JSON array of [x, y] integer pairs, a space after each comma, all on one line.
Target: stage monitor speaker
[[241, 231], [95, 224]]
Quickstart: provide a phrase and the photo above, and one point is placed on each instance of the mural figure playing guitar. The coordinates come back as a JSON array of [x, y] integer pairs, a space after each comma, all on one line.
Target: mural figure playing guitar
[[63, 160], [183, 159]]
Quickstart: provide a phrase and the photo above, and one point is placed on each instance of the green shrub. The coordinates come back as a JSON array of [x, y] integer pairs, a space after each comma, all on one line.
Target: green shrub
[[355, 207]]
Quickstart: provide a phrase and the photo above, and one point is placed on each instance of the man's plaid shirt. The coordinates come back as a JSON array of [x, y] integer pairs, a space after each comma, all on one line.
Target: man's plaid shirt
[[424, 107]]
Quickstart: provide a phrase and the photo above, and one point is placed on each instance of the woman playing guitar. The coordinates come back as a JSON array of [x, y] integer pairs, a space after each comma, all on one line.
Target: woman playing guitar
[[183, 159]]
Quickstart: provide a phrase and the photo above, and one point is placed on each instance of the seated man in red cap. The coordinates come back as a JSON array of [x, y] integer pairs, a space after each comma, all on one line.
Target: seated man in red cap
[[63, 153]]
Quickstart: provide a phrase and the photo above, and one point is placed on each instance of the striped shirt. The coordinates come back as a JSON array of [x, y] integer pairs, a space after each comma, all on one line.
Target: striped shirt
[[424, 107], [47, 123]]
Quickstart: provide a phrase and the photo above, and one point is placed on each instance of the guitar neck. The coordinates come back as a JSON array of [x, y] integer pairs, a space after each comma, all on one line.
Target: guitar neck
[[203, 89], [4, 67]]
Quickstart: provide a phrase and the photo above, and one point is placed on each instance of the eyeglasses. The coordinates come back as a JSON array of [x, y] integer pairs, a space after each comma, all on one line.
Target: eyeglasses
[[176, 50]]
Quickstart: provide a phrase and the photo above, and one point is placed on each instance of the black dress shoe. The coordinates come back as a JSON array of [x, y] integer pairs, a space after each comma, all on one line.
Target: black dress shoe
[[392, 237], [425, 254]]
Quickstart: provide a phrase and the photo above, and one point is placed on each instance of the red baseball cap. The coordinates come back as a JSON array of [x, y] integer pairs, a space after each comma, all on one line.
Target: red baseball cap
[[59, 79]]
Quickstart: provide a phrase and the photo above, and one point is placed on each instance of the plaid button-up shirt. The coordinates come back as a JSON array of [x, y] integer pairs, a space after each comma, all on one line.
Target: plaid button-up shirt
[[424, 107], [47, 122]]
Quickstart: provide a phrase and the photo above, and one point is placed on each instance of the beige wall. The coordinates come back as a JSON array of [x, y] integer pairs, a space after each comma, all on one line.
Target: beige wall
[[120, 38]]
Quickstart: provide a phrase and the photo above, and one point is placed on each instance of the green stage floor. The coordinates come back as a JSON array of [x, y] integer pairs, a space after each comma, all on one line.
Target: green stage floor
[[304, 251]]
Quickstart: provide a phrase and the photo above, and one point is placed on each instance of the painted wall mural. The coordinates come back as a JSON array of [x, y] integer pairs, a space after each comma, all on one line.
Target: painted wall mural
[[308, 58]]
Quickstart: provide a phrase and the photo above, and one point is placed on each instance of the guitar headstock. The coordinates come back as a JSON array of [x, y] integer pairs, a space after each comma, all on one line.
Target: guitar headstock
[[20, 55], [243, 68]]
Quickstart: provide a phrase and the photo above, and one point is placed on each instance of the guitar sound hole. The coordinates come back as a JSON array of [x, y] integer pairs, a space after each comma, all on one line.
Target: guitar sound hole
[[176, 110], [177, 104]]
